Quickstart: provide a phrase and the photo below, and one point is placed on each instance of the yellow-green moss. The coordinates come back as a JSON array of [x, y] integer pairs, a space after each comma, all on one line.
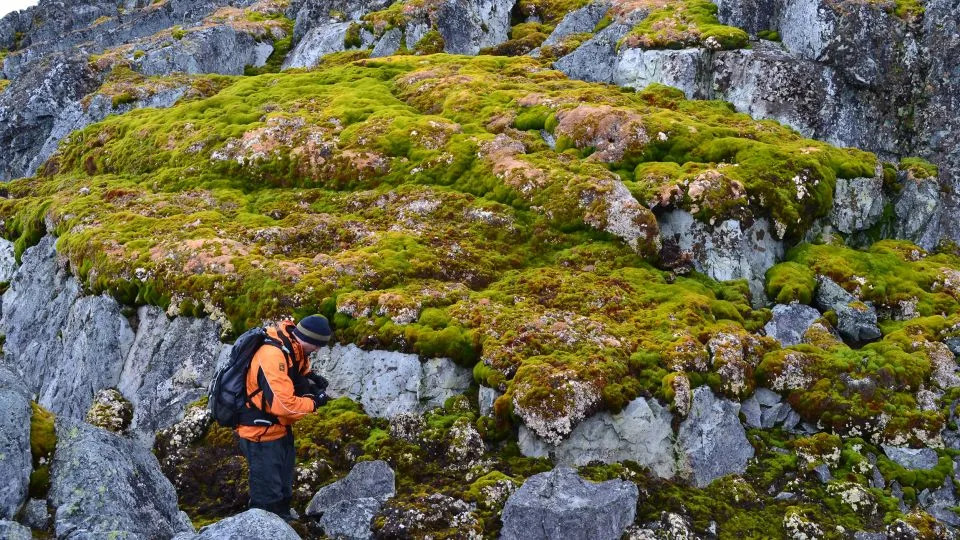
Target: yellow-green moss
[[43, 441]]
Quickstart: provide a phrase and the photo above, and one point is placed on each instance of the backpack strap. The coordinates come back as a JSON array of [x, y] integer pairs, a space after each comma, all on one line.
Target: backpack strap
[[251, 415]]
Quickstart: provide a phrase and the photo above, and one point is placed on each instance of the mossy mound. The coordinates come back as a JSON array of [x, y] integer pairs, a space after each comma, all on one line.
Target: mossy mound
[[673, 24], [43, 441]]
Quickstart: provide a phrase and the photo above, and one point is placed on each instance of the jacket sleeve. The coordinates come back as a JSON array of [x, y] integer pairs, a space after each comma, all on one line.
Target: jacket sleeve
[[277, 386]]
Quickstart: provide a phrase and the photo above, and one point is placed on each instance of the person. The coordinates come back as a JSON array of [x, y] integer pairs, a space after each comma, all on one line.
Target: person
[[281, 390]]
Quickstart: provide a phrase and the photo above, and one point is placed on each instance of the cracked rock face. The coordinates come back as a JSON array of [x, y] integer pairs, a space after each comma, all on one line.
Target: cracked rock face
[[790, 322], [347, 506], [726, 251], [711, 442], [857, 203], [641, 432], [389, 383], [560, 504], [89, 462], [856, 321], [16, 462]]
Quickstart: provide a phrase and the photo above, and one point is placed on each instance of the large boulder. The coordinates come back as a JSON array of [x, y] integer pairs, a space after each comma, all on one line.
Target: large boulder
[[683, 69], [857, 202], [170, 364], [321, 41], [254, 523], [641, 432], [16, 461], [711, 442], [67, 346], [578, 21], [470, 25], [856, 320], [560, 504], [911, 458], [596, 58], [346, 507], [389, 383], [790, 322], [725, 251], [103, 484], [217, 49], [918, 208]]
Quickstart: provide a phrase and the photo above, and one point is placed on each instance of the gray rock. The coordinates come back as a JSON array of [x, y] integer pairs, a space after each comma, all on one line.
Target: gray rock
[[856, 321], [953, 344], [170, 364], [560, 504], [485, 399], [30, 104], [367, 479], [918, 208], [102, 483], [253, 523], [470, 25], [857, 202], [388, 44], [711, 442], [36, 515], [578, 21], [767, 397], [16, 461], [389, 383], [641, 432], [350, 519], [309, 14], [750, 409], [8, 264], [685, 69], [790, 322], [876, 479], [11, 530], [911, 458], [347, 506], [822, 471], [75, 344], [867, 535], [724, 252], [319, 42], [217, 49], [596, 58]]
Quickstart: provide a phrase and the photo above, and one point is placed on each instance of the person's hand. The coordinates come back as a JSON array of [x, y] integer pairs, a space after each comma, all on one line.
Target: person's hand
[[318, 380], [319, 399]]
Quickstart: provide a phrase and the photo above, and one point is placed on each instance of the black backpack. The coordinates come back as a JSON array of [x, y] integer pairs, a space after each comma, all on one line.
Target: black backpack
[[227, 395]]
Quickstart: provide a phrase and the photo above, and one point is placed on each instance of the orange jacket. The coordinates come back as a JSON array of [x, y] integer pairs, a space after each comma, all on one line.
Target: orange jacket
[[269, 371]]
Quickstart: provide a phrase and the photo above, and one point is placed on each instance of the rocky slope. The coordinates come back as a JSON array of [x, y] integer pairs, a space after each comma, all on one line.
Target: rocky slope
[[541, 247]]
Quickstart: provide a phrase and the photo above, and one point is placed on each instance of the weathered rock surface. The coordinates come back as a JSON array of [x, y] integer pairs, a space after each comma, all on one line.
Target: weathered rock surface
[[218, 49], [726, 251], [347, 506], [89, 463], [577, 21], [857, 203], [76, 344], [470, 25], [320, 41], [766, 409], [856, 321], [790, 322], [486, 398], [11, 530], [254, 523], [711, 442], [170, 364], [911, 458], [560, 504], [8, 263], [389, 383], [31, 104], [36, 515], [16, 462], [641, 432], [918, 210]]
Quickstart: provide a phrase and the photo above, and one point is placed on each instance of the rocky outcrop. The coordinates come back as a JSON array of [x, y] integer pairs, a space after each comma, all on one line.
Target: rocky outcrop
[[78, 345], [254, 523], [857, 203], [578, 21], [560, 504], [15, 458], [89, 463], [911, 458], [470, 25], [711, 442], [31, 104], [389, 383], [170, 364], [641, 432], [918, 210], [308, 14], [856, 320], [766, 409], [347, 507], [11, 530], [8, 263], [790, 322], [729, 250], [218, 49], [321, 41]]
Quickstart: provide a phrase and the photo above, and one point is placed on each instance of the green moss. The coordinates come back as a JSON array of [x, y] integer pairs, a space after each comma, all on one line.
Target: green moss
[[431, 43], [352, 37], [177, 33], [791, 282], [919, 167], [690, 23], [769, 35], [43, 441], [123, 99]]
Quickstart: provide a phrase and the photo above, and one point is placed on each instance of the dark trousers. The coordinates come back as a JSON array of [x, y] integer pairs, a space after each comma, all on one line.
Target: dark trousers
[[271, 472]]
